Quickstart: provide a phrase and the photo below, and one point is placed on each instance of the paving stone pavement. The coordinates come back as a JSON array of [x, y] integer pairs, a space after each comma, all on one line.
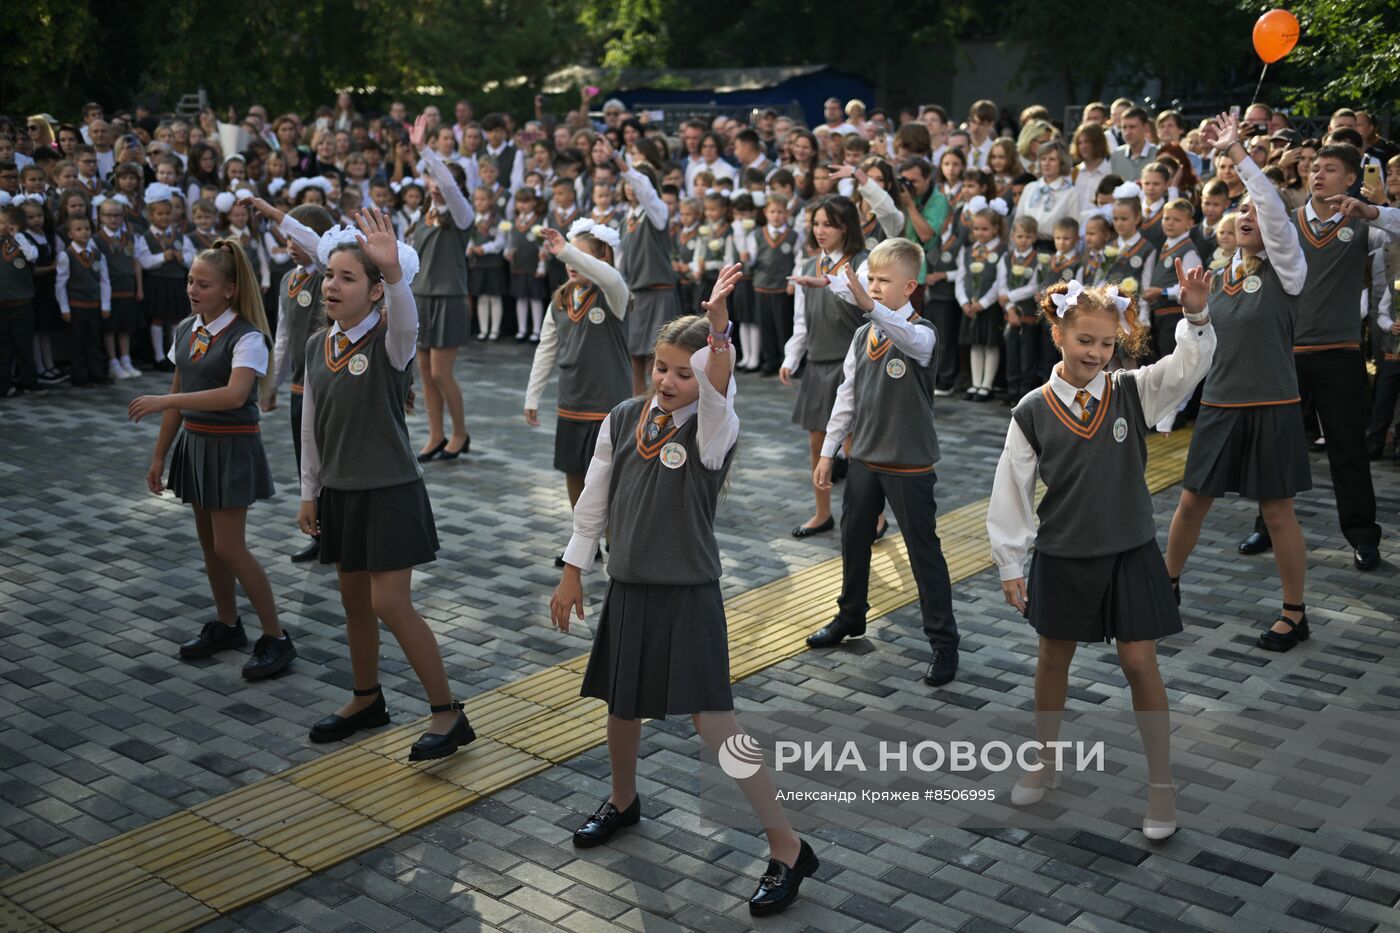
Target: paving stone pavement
[[104, 729]]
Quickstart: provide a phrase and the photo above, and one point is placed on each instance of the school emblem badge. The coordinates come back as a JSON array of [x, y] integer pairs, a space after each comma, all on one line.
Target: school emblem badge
[[358, 364], [304, 299], [871, 243], [945, 256], [786, 248], [1345, 234], [1252, 284], [597, 315], [895, 369], [673, 456], [19, 263], [992, 258], [1120, 430], [1135, 262], [1066, 275]]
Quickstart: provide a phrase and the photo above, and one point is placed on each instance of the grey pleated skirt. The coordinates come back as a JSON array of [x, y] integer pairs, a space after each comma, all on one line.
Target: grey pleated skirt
[[487, 280], [1125, 596], [816, 394], [227, 471], [660, 650], [574, 442], [1260, 452], [651, 308], [383, 529], [984, 330], [443, 320]]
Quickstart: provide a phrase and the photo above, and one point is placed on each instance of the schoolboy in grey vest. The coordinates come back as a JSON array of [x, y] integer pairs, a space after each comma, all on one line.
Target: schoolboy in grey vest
[[1166, 310], [770, 267], [16, 307], [84, 302], [941, 302]]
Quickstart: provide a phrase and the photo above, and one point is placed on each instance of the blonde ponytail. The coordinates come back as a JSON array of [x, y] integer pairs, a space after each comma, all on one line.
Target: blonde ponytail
[[227, 254]]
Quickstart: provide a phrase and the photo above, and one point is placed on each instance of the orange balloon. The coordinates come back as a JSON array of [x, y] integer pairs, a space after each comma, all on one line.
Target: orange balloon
[[1275, 34]]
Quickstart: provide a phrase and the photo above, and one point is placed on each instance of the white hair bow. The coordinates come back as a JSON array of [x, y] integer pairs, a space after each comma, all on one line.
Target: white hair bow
[[276, 185], [1122, 303], [298, 186], [1127, 191], [760, 199], [980, 203], [1068, 299], [224, 202], [601, 232], [338, 235], [580, 226], [157, 192]]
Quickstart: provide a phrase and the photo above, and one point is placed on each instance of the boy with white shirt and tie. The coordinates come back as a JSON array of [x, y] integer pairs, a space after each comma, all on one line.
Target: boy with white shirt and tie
[[84, 292]]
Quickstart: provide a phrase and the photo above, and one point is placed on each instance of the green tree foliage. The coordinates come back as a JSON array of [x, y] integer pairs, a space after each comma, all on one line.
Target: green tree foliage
[[49, 50], [1348, 54]]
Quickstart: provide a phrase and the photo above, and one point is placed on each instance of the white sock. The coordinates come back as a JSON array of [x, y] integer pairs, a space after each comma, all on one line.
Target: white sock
[[522, 317], [483, 314], [536, 315], [749, 334], [126, 361], [989, 366], [978, 360], [494, 304], [158, 341]]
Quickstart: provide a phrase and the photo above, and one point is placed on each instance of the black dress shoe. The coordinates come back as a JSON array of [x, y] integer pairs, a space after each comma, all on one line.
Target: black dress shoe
[[433, 454], [214, 637], [805, 531], [1257, 543], [454, 454], [778, 886], [832, 632], [1366, 557], [1270, 640], [308, 553], [432, 745], [270, 657], [880, 529], [605, 821], [334, 727], [840, 466], [943, 668]]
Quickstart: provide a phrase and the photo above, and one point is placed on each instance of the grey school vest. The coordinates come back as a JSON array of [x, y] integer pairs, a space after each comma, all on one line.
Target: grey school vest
[[1061, 269], [831, 322], [711, 246], [84, 279], [646, 254], [942, 256], [1151, 227], [296, 313], [1027, 263], [158, 244], [1164, 276], [442, 257], [213, 370], [893, 418], [1328, 308], [1096, 501], [16, 274], [526, 248], [121, 266], [976, 284], [1205, 242], [683, 247], [481, 233], [1254, 320], [772, 260], [359, 424], [1129, 263], [595, 370], [873, 233], [661, 503], [1092, 268]]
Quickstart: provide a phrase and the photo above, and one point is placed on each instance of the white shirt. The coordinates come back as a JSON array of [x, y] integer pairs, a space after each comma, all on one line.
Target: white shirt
[[1143, 275], [1281, 244], [648, 201], [516, 175], [977, 155], [64, 270], [916, 342], [990, 298], [615, 293], [1086, 182], [1161, 388], [150, 260], [106, 162], [718, 168], [887, 213], [26, 246], [249, 353], [1047, 203], [716, 433], [1029, 258], [1190, 259], [400, 343], [457, 205]]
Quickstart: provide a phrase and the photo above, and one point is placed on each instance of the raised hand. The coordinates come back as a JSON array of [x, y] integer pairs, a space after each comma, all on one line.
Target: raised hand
[[839, 172], [419, 134], [1194, 288], [1354, 207], [858, 293], [1224, 132], [716, 307], [809, 281], [553, 241], [380, 245]]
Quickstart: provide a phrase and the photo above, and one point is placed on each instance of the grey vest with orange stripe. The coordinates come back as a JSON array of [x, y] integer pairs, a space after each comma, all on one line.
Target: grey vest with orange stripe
[[119, 251], [661, 502], [1096, 501], [296, 314], [85, 278], [1253, 362], [646, 254], [595, 371], [1164, 275], [212, 371], [831, 322], [1328, 308], [893, 415]]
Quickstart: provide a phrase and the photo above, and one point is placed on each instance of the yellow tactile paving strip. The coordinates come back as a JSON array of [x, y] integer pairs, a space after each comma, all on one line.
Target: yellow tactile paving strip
[[238, 849]]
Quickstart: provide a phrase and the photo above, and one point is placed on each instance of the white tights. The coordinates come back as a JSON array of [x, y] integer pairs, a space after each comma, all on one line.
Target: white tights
[[984, 366], [488, 312], [529, 316]]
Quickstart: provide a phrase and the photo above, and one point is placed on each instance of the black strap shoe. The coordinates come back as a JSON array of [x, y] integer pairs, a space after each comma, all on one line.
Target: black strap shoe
[[214, 637], [605, 821], [432, 745], [309, 553], [270, 657], [943, 668], [778, 886], [454, 454], [832, 632], [334, 727], [805, 531], [1270, 640], [1257, 543], [1366, 557]]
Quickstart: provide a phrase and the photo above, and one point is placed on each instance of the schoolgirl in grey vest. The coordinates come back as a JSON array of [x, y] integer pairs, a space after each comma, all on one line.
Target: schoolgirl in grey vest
[[119, 249], [683, 246], [1096, 574], [940, 299], [163, 280], [301, 311], [361, 486], [527, 272], [775, 251], [645, 264], [975, 281], [1018, 279], [440, 288], [714, 250]]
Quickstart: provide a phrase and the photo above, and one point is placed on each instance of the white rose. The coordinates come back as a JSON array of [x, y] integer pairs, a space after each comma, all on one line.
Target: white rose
[[705, 230], [714, 245], [977, 268], [746, 223], [537, 230], [1110, 252], [504, 226], [1018, 271], [1128, 286]]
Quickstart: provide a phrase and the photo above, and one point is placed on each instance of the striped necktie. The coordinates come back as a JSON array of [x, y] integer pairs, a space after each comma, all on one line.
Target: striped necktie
[[1320, 226], [201, 343], [342, 343], [1084, 399], [826, 264], [657, 424]]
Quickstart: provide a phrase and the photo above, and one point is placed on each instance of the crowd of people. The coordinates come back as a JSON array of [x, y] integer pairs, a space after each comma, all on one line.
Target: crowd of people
[[1106, 281]]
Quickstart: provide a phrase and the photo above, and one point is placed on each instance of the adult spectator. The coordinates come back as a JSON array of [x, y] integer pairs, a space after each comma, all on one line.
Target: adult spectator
[[1127, 160], [924, 207], [1376, 145], [1090, 148], [1051, 197]]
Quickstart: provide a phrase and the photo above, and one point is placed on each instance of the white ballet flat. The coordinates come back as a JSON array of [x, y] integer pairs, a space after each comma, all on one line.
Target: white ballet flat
[[1156, 830], [1023, 795]]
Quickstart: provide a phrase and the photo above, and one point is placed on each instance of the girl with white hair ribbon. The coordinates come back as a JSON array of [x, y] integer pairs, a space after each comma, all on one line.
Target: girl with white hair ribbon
[[165, 255], [1097, 574], [975, 285]]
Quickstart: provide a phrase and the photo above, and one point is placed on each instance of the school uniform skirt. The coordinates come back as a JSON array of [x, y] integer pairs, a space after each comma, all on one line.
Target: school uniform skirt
[[742, 309], [1126, 596], [1258, 451], [574, 442], [126, 317], [390, 528], [816, 394], [651, 308], [443, 321], [166, 300], [219, 471], [660, 650], [985, 329], [486, 280], [525, 285]]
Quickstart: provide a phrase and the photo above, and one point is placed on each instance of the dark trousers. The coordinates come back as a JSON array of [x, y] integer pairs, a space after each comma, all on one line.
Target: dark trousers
[[296, 430], [1023, 347], [775, 310], [85, 330], [17, 347], [947, 320], [911, 499], [1383, 407]]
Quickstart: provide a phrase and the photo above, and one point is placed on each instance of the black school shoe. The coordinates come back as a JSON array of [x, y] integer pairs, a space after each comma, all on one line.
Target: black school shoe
[[1270, 640], [1257, 543], [1366, 557], [943, 668], [832, 632], [334, 727], [309, 553], [806, 531], [778, 886], [605, 821], [432, 745], [270, 657], [214, 637]]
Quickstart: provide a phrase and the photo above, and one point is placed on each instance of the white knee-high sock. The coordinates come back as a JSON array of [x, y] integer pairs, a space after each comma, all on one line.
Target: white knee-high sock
[[748, 333], [522, 317], [989, 366], [978, 360], [493, 303], [158, 341], [483, 314], [536, 315]]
